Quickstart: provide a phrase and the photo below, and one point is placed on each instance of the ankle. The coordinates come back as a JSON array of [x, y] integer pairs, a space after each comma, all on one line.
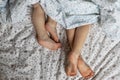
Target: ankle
[[76, 54], [75, 51]]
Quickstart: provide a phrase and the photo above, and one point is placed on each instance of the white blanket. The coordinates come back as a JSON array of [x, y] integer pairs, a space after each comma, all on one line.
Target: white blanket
[[22, 58]]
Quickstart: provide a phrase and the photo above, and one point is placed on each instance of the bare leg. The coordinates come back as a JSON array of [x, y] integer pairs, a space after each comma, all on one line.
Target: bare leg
[[51, 28], [70, 67], [80, 36], [70, 35], [38, 19]]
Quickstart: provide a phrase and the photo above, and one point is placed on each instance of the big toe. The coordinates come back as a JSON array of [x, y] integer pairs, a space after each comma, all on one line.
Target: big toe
[[70, 72], [56, 46], [73, 73], [89, 74], [56, 39]]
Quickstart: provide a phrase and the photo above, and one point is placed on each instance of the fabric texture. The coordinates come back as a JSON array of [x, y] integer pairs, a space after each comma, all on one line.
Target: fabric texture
[[71, 13], [22, 58], [3, 5], [109, 17], [75, 13]]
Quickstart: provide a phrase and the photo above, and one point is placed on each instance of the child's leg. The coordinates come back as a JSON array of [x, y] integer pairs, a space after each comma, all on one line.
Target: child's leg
[[71, 69], [80, 36], [51, 28], [70, 36], [38, 18]]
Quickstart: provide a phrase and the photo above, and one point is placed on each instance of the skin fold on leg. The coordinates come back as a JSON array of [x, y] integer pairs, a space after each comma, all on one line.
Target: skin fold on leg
[[38, 19]]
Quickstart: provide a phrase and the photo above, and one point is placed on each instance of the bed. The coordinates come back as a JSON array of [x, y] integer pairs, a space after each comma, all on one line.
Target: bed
[[22, 58]]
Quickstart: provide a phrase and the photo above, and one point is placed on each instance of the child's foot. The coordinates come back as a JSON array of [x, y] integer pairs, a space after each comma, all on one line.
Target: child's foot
[[48, 43], [84, 69], [71, 64], [51, 28]]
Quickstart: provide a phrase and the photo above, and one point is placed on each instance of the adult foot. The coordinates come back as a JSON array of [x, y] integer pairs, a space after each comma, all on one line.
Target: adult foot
[[71, 64], [51, 28], [84, 69], [48, 43]]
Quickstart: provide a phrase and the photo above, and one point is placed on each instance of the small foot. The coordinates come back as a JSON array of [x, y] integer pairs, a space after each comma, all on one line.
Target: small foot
[[84, 69], [71, 64], [49, 43]]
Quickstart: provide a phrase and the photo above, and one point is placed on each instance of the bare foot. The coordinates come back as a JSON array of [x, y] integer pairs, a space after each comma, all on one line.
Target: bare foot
[[71, 64], [84, 69], [48, 43], [51, 28]]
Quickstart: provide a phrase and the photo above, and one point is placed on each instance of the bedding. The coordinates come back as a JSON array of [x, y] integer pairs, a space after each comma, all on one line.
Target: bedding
[[22, 58]]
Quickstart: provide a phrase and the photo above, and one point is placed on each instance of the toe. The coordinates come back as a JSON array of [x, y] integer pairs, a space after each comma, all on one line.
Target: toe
[[56, 46], [72, 74], [87, 76], [69, 73], [90, 75]]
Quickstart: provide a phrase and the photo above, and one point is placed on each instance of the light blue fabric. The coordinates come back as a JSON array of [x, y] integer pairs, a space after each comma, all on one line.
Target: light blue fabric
[[3, 5], [74, 13], [71, 13], [110, 17]]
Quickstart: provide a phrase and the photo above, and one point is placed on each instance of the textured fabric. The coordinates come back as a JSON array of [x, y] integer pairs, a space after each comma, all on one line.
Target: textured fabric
[[110, 17], [3, 3], [22, 58], [74, 13], [71, 13]]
